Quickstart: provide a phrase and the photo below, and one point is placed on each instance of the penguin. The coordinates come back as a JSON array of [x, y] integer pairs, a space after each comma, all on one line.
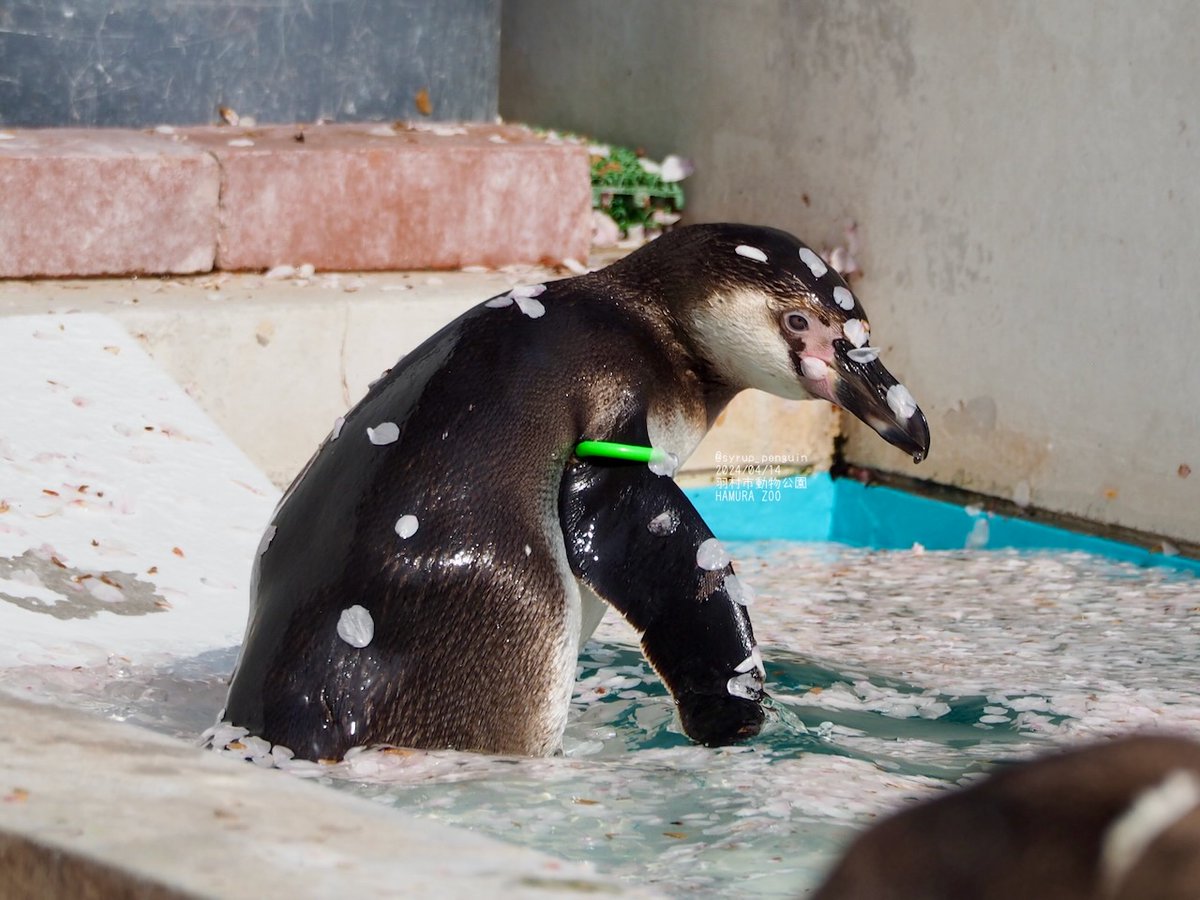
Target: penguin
[[1113, 821], [429, 577]]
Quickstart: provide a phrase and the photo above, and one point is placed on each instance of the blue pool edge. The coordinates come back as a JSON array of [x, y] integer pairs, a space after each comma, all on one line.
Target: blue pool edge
[[821, 508]]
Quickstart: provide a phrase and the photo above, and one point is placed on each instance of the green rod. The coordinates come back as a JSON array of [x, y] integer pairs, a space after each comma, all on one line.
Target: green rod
[[611, 450]]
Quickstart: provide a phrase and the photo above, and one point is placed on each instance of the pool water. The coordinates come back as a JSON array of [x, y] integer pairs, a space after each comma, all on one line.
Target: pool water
[[894, 674]]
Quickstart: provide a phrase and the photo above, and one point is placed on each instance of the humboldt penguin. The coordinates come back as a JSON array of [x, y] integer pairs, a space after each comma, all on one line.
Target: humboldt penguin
[[1118, 820], [429, 577]]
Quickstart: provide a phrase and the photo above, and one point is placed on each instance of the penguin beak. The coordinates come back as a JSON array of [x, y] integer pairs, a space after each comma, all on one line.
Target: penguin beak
[[869, 391]]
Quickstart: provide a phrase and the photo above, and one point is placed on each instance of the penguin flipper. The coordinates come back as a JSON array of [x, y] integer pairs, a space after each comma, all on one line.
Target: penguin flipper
[[696, 637]]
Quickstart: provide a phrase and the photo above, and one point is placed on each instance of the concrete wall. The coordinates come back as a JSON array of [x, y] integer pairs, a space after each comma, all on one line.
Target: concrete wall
[[145, 62], [1026, 179]]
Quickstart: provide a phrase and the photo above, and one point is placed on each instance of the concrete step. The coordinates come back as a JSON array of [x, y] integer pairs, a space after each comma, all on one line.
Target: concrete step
[[275, 361], [91, 808], [82, 202]]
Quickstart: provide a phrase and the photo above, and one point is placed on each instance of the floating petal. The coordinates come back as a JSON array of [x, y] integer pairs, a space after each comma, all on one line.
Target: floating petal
[[748, 686], [384, 433], [813, 368], [752, 662], [901, 402], [663, 462], [855, 331], [268, 536], [355, 626], [528, 290], [815, 264], [676, 168], [711, 555], [664, 523], [864, 354], [739, 592], [532, 308]]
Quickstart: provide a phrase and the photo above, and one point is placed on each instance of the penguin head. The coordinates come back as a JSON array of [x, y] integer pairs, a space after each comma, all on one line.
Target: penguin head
[[765, 311]]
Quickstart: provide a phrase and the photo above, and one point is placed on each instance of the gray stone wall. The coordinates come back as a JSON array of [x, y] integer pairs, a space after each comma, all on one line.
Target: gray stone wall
[[139, 63]]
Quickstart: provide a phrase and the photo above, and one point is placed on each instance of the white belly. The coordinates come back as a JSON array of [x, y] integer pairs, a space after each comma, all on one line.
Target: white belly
[[674, 430], [591, 612]]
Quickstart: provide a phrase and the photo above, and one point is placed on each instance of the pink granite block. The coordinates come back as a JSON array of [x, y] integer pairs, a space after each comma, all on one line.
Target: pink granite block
[[104, 202], [396, 197]]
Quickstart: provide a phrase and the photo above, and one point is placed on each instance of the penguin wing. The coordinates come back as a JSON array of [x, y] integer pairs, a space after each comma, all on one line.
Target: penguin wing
[[635, 539]]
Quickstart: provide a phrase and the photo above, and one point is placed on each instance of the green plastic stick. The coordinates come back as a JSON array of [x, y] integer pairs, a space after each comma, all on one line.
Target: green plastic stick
[[610, 450]]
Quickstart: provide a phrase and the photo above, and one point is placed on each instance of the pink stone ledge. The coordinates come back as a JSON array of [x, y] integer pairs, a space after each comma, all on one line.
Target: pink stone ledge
[[104, 202], [357, 197]]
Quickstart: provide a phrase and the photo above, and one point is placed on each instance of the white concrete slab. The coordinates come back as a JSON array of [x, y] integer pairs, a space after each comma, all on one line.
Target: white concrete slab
[[190, 823], [128, 521]]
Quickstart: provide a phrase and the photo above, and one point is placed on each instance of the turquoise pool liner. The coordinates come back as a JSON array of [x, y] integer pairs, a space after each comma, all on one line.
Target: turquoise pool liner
[[820, 508]]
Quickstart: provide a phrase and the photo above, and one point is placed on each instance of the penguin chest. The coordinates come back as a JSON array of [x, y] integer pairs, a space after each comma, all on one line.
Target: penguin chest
[[676, 427]]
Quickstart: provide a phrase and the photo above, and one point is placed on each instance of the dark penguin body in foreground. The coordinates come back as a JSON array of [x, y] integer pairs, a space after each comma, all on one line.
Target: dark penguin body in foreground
[[1113, 821], [464, 632]]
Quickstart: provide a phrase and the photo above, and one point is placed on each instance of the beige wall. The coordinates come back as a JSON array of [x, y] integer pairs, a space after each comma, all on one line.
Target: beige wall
[[1026, 179]]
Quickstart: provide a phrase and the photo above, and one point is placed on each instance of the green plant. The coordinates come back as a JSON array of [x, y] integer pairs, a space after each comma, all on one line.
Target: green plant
[[631, 192]]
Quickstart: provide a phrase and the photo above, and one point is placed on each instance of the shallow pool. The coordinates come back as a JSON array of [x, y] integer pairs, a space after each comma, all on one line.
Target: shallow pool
[[893, 673]]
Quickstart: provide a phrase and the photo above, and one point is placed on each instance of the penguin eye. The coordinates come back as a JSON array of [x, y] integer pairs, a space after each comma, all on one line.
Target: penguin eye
[[795, 323]]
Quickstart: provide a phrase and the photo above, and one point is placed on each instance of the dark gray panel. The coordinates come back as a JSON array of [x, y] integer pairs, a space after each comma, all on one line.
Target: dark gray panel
[[145, 62]]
